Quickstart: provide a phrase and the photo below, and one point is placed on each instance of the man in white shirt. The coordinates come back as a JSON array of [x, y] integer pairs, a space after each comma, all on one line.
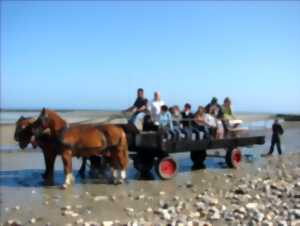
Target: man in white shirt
[[155, 107]]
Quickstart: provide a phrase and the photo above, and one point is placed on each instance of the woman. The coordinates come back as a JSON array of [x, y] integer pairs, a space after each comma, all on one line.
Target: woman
[[229, 119]]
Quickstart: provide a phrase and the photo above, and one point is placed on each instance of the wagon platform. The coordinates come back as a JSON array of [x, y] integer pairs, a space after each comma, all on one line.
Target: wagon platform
[[153, 149]]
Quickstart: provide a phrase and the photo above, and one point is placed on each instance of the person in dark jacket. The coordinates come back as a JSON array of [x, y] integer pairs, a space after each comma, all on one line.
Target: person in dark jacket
[[277, 132], [186, 116]]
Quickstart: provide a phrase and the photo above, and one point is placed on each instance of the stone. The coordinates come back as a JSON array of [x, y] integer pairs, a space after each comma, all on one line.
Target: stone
[[252, 205], [13, 223], [162, 193], [91, 223], [140, 197], [100, 198], [149, 210], [228, 216], [32, 221], [107, 223], [210, 200], [200, 206], [295, 223], [267, 223], [295, 212], [68, 207], [129, 210], [214, 213], [73, 214], [79, 221], [282, 223], [258, 216]]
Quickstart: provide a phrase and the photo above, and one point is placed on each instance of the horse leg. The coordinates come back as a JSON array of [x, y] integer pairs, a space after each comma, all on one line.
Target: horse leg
[[114, 168], [67, 162], [51, 161], [46, 172], [122, 157], [121, 162], [81, 171]]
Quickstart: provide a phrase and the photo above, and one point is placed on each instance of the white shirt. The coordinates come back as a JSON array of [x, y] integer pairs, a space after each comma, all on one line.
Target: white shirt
[[210, 120], [154, 108]]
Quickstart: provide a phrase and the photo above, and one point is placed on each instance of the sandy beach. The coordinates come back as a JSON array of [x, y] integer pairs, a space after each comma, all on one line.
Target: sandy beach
[[263, 191]]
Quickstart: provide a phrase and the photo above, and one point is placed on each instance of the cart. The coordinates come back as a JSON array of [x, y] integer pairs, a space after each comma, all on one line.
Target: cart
[[148, 149]]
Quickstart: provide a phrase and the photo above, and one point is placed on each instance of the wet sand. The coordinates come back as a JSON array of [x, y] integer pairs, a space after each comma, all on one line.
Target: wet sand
[[215, 195]]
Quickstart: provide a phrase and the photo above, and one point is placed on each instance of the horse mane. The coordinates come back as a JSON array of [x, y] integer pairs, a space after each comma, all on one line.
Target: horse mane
[[56, 123]]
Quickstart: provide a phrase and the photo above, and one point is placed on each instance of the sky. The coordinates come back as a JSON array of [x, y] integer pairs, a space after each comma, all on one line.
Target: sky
[[95, 54]]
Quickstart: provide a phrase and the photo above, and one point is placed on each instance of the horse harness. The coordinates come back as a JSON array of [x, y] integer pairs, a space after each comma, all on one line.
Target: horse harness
[[104, 150]]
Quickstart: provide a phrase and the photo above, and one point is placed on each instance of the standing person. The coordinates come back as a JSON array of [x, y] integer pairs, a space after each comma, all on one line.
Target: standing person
[[186, 115], [277, 132], [226, 107], [155, 107]]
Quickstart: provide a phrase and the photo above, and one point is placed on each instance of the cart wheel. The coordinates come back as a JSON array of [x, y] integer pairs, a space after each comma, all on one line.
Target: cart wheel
[[143, 164], [233, 157], [198, 157], [166, 168]]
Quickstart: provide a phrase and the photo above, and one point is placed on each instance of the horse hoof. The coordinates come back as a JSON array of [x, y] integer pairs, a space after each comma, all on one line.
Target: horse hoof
[[44, 175], [64, 186], [117, 181], [81, 175]]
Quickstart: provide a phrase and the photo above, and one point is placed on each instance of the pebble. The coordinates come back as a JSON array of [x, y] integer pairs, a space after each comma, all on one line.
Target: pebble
[[13, 223], [91, 223], [79, 221], [215, 213], [107, 223], [100, 198], [149, 210], [162, 193], [267, 223], [32, 221], [129, 210], [282, 223], [295, 212], [252, 205]]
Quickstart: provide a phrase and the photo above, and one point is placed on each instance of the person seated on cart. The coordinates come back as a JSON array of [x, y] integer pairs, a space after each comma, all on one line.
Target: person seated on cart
[[187, 116], [155, 107], [140, 103], [166, 122], [138, 109], [208, 123], [213, 106], [200, 120], [176, 117]]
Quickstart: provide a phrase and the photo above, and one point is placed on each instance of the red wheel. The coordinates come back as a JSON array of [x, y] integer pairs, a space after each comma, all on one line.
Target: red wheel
[[233, 157], [166, 168]]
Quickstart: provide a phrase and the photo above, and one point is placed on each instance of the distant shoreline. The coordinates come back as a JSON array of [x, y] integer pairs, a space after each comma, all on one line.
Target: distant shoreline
[[64, 110], [289, 117]]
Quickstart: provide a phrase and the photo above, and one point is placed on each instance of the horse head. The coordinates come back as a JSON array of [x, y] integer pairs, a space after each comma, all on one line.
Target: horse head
[[23, 131], [48, 122]]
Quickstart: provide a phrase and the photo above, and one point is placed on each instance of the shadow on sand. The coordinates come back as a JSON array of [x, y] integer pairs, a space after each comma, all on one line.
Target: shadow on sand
[[33, 177]]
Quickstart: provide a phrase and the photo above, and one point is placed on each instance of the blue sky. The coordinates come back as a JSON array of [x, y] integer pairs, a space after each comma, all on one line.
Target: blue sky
[[94, 54]]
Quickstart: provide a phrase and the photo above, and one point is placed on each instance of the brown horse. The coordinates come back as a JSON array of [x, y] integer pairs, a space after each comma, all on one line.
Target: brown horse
[[85, 141], [23, 135]]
